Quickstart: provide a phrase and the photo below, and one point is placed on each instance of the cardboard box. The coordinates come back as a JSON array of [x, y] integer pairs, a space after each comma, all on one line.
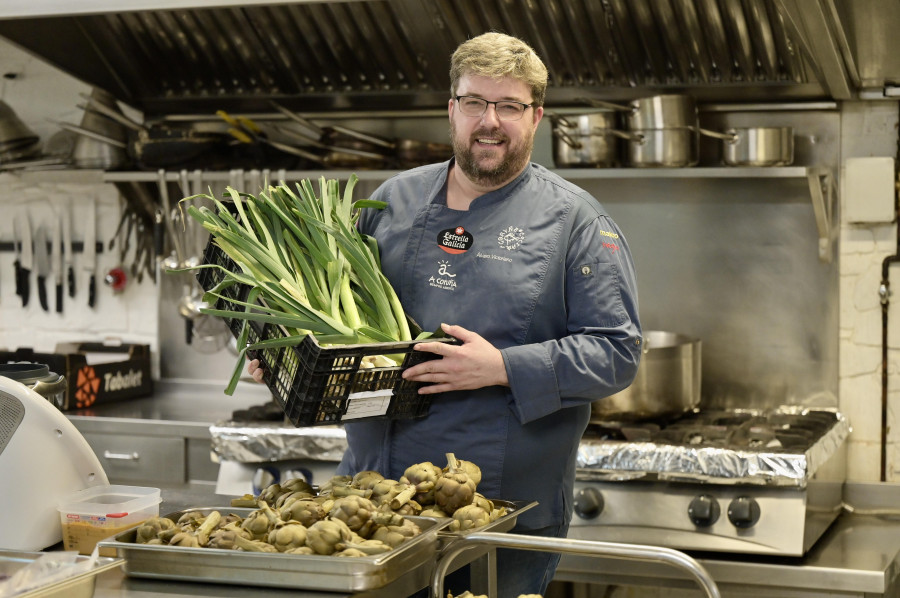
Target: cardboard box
[[95, 372]]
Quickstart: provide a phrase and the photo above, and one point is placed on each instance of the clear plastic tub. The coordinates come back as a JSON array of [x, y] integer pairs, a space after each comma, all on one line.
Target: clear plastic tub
[[96, 513]]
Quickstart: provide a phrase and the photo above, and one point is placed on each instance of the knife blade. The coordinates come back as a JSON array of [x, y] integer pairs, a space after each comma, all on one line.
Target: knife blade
[[90, 251], [67, 248], [25, 257], [42, 264], [56, 262]]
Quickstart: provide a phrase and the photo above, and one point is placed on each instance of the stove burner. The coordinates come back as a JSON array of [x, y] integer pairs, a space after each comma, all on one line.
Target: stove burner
[[741, 430]]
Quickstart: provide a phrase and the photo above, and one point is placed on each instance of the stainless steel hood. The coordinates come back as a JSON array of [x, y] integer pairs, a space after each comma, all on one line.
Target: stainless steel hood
[[197, 56]]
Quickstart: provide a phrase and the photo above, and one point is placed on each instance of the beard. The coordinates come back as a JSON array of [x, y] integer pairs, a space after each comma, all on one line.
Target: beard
[[510, 166]]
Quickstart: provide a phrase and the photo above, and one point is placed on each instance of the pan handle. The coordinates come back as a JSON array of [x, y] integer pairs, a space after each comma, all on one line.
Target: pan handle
[[100, 108], [728, 137], [567, 139], [363, 137], [88, 133], [605, 104], [316, 129]]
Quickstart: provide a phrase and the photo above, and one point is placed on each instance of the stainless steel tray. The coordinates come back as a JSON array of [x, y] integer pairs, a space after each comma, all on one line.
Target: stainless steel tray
[[76, 586], [298, 571], [514, 508]]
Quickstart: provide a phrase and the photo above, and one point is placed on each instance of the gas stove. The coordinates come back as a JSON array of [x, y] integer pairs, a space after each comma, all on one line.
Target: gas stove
[[742, 481]]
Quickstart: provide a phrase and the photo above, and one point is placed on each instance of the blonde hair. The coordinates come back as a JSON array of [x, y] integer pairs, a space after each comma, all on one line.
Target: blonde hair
[[498, 55]]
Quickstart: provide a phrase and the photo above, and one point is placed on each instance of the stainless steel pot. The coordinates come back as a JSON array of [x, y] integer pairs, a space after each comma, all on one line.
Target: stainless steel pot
[[655, 112], [39, 378], [667, 383], [586, 140], [663, 148], [756, 146]]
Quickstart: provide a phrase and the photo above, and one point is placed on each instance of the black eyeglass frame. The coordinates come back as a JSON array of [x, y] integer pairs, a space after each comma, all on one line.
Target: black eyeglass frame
[[486, 102]]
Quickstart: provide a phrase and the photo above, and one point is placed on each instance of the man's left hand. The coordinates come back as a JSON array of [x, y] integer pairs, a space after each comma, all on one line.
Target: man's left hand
[[474, 364]]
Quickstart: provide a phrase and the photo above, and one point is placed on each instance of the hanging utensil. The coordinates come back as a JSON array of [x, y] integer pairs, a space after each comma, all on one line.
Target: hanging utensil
[[89, 256], [24, 256], [57, 263], [68, 261], [42, 264]]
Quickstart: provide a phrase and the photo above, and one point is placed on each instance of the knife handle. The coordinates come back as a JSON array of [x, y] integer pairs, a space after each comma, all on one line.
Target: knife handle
[[59, 296], [92, 286], [19, 277], [71, 278], [42, 293]]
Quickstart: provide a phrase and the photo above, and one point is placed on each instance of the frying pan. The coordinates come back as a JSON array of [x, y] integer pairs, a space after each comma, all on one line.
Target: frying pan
[[404, 153], [160, 146]]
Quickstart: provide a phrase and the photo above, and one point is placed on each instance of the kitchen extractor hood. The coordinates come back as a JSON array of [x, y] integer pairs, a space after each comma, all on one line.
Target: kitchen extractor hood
[[196, 56]]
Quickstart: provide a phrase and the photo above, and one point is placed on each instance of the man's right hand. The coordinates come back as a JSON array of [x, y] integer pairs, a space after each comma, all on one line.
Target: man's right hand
[[254, 370]]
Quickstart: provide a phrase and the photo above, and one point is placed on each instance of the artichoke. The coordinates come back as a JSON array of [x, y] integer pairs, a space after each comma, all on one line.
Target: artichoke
[[189, 520], [323, 536], [367, 547], [409, 508], [224, 537], [287, 535], [469, 517], [423, 476], [355, 511], [338, 480], [394, 535], [300, 550], [350, 552], [270, 493], [150, 529], [385, 490], [433, 511], [364, 480], [200, 536], [297, 485], [253, 545], [260, 522], [306, 511], [454, 489]]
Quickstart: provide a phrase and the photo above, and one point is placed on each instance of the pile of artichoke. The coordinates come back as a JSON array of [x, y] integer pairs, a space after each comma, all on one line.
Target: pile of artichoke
[[424, 490], [290, 519]]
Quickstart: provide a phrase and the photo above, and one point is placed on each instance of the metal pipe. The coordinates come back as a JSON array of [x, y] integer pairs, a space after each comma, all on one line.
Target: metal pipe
[[884, 291], [638, 552]]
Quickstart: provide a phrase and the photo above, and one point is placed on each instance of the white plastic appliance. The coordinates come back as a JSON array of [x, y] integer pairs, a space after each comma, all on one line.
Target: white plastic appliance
[[43, 458]]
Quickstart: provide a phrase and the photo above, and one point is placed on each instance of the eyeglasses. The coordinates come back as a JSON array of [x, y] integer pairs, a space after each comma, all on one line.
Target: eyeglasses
[[506, 109]]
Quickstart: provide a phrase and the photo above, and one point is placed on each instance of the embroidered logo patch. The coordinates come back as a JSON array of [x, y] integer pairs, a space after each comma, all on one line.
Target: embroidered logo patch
[[511, 238], [455, 240], [444, 279]]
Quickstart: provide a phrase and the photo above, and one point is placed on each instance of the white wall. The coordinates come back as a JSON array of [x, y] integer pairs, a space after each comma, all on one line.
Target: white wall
[[38, 94]]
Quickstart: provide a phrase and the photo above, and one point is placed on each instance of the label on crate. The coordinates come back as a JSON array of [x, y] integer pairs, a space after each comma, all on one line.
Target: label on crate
[[368, 404]]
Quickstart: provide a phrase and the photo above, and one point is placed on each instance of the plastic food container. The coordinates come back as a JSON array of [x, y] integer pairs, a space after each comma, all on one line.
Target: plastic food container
[[90, 515]]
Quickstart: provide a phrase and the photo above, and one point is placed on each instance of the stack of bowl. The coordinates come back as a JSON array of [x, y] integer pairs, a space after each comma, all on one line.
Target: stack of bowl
[[17, 141]]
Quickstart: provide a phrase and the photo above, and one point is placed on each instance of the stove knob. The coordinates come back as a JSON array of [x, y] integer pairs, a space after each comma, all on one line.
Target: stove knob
[[743, 512], [588, 503], [704, 510]]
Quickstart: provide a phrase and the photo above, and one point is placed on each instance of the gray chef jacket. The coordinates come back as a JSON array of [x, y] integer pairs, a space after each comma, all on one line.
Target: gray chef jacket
[[540, 270]]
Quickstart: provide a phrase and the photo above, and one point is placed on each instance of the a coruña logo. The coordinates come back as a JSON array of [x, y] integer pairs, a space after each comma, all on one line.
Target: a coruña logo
[[455, 240]]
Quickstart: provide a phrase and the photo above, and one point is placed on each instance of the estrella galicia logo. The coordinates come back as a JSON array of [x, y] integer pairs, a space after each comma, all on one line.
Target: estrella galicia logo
[[455, 240]]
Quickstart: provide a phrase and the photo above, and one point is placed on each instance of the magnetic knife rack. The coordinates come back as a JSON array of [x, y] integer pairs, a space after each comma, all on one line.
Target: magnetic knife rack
[[77, 246]]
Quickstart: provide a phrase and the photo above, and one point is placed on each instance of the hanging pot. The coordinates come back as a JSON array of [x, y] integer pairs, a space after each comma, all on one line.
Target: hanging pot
[[756, 146], [667, 383], [587, 140], [655, 112], [663, 148]]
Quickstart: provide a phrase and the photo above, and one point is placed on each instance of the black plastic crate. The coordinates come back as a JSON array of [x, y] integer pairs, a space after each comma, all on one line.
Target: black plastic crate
[[318, 385]]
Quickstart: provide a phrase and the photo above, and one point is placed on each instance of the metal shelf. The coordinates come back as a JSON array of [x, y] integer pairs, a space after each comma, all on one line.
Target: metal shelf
[[820, 181]]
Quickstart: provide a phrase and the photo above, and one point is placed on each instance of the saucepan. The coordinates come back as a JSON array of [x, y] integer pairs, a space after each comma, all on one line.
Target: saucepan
[[585, 140], [756, 146], [667, 383], [654, 112]]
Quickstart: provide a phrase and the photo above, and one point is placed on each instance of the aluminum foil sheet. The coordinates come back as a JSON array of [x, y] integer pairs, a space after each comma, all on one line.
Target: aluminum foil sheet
[[619, 460], [260, 442]]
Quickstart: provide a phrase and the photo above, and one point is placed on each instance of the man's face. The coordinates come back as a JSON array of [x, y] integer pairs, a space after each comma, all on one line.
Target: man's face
[[489, 151]]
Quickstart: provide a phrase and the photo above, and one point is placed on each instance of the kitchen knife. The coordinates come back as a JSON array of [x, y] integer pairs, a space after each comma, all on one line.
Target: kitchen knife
[[67, 248], [56, 263], [42, 264], [90, 251], [25, 257]]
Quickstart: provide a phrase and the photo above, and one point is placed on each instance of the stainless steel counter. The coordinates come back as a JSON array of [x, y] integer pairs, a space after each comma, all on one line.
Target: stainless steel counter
[[858, 556]]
